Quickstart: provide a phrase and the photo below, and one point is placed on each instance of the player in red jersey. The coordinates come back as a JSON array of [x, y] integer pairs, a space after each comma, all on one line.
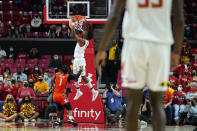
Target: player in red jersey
[[61, 79]]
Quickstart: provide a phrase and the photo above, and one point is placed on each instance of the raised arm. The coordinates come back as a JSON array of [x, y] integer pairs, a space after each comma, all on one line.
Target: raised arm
[[77, 38], [178, 31], [110, 27]]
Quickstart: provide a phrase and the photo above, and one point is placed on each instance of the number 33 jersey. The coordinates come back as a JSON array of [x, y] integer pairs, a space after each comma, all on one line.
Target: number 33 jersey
[[148, 20], [60, 82]]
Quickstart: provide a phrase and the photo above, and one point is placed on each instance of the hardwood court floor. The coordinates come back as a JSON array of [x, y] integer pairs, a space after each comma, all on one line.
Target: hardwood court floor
[[48, 126]]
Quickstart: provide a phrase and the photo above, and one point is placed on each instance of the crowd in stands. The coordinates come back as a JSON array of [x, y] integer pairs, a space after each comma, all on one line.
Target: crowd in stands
[[25, 77], [24, 19]]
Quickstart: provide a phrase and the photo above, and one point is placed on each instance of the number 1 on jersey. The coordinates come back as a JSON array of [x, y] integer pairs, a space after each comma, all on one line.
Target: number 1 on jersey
[[159, 4], [60, 81]]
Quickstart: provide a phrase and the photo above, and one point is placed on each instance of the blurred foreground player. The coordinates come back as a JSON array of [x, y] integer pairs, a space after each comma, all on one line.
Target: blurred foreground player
[[79, 60], [146, 51], [61, 79]]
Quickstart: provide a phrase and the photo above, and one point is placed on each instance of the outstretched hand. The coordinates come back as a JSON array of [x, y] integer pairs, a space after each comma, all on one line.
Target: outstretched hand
[[100, 59]]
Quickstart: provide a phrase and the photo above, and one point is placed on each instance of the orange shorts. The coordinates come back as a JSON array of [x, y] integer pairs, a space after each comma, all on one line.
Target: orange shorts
[[60, 98]]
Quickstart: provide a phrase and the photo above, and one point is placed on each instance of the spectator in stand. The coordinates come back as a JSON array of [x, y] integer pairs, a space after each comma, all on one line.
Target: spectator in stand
[[31, 84], [173, 81], [11, 54], [64, 31], [22, 54], [192, 112], [36, 23], [8, 87], [41, 86], [114, 103], [33, 53], [32, 115], [112, 66], [192, 76], [7, 73], [19, 76], [183, 81], [145, 115], [168, 96], [47, 79], [55, 62], [35, 74], [13, 32], [1, 80], [9, 114], [25, 91], [52, 31], [23, 30], [178, 103], [27, 71], [3, 54]]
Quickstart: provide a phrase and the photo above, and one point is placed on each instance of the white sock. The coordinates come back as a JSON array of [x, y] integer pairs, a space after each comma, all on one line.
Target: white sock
[[78, 89], [89, 85], [58, 119], [70, 117], [93, 90]]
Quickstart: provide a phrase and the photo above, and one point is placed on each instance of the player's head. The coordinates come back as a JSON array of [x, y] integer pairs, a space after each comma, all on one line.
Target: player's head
[[65, 69], [88, 35]]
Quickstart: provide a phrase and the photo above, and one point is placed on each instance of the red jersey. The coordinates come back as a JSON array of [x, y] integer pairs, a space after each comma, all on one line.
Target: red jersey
[[60, 82], [183, 80], [179, 98]]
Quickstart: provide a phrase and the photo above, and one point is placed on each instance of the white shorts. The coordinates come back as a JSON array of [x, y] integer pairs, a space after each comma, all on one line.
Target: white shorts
[[76, 66], [145, 64]]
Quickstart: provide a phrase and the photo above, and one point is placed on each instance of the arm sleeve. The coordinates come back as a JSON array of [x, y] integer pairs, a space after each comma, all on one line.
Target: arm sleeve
[[73, 77], [193, 109]]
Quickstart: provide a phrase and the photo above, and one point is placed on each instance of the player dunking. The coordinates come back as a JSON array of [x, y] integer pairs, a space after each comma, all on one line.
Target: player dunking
[[146, 51], [61, 79], [79, 60]]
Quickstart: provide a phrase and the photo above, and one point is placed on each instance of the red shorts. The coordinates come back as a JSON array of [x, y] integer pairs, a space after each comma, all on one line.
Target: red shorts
[[60, 98]]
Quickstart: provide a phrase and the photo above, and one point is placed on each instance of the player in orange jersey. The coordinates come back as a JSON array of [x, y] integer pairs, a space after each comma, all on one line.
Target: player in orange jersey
[[61, 79]]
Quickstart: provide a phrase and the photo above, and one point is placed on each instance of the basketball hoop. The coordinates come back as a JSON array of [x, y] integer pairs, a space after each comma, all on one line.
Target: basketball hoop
[[77, 21]]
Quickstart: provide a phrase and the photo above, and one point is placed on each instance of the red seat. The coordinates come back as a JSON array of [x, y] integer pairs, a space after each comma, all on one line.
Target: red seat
[[13, 70], [51, 72], [44, 61], [16, 8], [46, 57], [20, 61], [1, 71], [7, 65], [60, 57], [32, 61], [6, 6], [31, 67], [16, 65], [10, 61], [43, 66], [17, 16], [7, 15], [67, 60]]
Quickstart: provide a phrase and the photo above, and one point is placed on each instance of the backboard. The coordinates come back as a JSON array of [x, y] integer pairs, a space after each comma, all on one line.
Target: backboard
[[59, 11]]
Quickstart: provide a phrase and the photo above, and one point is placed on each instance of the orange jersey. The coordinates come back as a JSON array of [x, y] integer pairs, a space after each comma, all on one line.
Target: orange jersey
[[60, 82]]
